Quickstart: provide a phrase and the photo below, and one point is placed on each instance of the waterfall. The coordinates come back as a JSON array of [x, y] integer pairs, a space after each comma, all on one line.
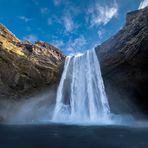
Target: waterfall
[[81, 94]]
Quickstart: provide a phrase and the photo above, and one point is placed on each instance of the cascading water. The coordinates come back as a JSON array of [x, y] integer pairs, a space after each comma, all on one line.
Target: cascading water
[[81, 95]]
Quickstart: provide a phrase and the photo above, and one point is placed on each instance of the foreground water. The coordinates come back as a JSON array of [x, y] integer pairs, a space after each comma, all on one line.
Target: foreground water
[[71, 136]]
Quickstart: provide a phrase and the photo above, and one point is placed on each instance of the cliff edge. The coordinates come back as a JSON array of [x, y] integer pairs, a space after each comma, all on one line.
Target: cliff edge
[[26, 67]]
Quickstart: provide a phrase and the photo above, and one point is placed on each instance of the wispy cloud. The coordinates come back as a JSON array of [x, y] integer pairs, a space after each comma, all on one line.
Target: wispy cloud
[[101, 15], [68, 23], [58, 43], [32, 38], [100, 33], [72, 45], [67, 19], [54, 19], [24, 18], [76, 44], [81, 41], [57, 2], [143, 4]]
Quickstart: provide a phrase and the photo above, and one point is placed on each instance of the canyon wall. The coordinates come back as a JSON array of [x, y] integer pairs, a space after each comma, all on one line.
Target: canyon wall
[[124, 63], [26, 68]]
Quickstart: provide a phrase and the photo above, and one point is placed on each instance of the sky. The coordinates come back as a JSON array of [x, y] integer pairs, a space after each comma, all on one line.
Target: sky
[[70, 25]]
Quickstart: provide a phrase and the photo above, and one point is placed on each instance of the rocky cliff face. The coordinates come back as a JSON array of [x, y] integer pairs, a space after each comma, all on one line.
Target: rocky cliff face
[[26, 67], [124, 62]]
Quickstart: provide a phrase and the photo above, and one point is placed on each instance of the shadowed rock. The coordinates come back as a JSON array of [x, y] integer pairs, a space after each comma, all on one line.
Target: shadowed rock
[[124, 62]]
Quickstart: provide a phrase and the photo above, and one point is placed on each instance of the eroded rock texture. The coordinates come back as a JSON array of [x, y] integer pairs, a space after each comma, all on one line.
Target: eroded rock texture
[[26, 67]]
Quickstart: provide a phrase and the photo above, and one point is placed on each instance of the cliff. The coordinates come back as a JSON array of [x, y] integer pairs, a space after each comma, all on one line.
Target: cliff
[[124, 62], [26, 67]]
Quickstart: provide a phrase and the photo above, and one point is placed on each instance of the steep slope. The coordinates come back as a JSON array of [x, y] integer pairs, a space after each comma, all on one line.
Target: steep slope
[[26, 67], [124, 62]]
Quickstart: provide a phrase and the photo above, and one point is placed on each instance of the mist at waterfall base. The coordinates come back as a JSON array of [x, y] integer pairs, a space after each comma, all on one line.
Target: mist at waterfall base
[[80, 99], [34, 110]]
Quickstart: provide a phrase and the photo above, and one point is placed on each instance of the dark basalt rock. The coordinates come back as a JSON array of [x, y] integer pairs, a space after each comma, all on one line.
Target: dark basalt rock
[[124, 63]]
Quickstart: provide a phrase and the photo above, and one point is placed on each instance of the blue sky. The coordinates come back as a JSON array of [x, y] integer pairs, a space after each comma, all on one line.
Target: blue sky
[[71, 25]]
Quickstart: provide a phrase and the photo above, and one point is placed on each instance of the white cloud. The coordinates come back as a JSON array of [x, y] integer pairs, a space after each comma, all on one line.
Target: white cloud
[[31, 38], [68, 23], [57, 2], [69, 16], [67, 19], [143, 4], [99, 15], [25, 19]]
